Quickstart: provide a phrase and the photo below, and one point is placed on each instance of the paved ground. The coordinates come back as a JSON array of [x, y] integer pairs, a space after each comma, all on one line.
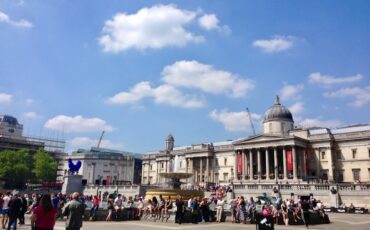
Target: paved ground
[[339, 221]]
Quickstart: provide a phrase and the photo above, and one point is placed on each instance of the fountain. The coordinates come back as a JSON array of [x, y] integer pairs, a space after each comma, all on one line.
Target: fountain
[[174, 184]]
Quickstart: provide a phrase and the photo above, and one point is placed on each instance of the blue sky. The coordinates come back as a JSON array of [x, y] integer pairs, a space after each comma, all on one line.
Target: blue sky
[[143, 69]]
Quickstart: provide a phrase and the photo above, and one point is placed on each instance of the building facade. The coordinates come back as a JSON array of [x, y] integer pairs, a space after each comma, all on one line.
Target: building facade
[[282, 153], [100, 166]]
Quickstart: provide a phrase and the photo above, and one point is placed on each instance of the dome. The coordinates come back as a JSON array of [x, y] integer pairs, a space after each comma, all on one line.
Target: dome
[[170, 138], [278, 112]]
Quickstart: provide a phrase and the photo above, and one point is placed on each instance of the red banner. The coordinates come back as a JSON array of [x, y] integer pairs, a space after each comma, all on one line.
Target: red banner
[[107, 180], [289, 159], [240, 162]]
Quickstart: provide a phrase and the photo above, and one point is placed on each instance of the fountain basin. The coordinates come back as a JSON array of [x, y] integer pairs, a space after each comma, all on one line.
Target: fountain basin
[[173, 193]]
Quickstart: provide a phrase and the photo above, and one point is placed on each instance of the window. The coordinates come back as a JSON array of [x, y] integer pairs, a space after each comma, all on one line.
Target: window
[[356, 174], [162, 165], [216, 162], [225, 161], [180, 164], [226, 176], [270, 127], [151, 167], [368, 150], [323, 155], [354, 153]]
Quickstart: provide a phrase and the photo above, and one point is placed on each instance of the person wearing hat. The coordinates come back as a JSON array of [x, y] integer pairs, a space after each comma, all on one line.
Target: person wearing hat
[[74, 210]]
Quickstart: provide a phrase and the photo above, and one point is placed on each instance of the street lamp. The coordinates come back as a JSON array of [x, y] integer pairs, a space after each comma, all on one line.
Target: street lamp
[[276, 175]]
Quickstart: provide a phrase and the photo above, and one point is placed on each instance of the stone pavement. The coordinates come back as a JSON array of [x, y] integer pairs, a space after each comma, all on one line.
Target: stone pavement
[[339, 222]]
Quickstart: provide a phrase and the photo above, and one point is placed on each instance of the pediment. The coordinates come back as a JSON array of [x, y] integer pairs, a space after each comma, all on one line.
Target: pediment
[[261, 138]]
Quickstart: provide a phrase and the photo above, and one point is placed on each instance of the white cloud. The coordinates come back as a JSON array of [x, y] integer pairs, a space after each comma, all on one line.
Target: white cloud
[[77, 124], [296, 108], [20, 23], [31, 115], [291, 91], [235, 121], [5, 98], [275, 44], [163, 94], [192, 74], [318, 78], [211, 22], [86, 142], [316, 122], [361, 95], [155, 27]]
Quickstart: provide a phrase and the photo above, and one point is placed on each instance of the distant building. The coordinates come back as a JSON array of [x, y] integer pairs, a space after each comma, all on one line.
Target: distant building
[[102, 166], [281, 153]]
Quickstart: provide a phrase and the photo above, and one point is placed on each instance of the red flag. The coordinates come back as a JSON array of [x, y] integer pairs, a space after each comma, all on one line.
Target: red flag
[[240, 163], [289, 160]]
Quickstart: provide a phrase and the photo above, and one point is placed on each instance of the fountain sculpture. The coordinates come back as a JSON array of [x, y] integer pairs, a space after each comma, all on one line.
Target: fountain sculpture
[[174, 183]]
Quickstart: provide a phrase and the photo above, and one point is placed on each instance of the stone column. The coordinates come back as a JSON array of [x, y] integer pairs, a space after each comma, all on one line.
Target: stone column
[[191, 162], [317, 161], [207, 169], [236, 166], [275, 164], [148, 171], [250, 165], [243, 165], [330, 165], [157, 176], [267, 164], [304, 163], [201, 170], [259, 164], [285, 164], [294, 163]]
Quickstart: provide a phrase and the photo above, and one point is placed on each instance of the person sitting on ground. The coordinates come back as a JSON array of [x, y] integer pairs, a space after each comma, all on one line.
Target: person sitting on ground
[[44, 215]]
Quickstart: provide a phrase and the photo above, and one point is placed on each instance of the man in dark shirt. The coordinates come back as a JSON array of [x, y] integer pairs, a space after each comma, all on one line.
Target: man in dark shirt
[[180, 210], [15, 205], [305, 212]]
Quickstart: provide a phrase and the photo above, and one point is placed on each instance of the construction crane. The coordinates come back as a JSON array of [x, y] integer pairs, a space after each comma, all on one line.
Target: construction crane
[[250, 120], [100, 139]]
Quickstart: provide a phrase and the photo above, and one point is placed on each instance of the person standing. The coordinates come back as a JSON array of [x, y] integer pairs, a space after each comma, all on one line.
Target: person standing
[[44, 215], [219, 208], [306, 212], [14, 211], [5, 209], [74, 210], [179, 210], [23, 209]]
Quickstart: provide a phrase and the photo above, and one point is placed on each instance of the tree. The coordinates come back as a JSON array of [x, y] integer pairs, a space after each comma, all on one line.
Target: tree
[[45, 167], [15, 167]]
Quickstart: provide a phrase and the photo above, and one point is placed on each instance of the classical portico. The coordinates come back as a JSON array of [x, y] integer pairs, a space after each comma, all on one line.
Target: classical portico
[[274, 155], [268, 158]]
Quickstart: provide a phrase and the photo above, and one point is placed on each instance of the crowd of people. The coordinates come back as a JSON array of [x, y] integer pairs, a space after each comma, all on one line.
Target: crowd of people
[[45, 209]]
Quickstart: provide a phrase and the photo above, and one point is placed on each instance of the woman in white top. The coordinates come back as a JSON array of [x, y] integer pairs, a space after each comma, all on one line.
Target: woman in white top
[[219, 209]]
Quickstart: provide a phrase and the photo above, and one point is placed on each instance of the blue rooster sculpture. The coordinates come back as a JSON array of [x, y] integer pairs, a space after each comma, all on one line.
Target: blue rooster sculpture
[[73, 168]]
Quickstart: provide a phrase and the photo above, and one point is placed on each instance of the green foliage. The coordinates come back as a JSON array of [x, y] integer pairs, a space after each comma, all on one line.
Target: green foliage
[[45, 167], [15, 167]]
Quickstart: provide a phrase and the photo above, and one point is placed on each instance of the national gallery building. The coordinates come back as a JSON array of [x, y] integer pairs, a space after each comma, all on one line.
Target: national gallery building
[[282, 153]]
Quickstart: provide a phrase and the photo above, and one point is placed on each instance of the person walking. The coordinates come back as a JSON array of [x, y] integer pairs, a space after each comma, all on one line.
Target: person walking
[[14, 211], [44, 215], [74, 210], [94, 208]]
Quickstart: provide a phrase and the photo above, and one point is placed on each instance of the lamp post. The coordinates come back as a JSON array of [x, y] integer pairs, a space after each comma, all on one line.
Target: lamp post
[[276, 175]]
